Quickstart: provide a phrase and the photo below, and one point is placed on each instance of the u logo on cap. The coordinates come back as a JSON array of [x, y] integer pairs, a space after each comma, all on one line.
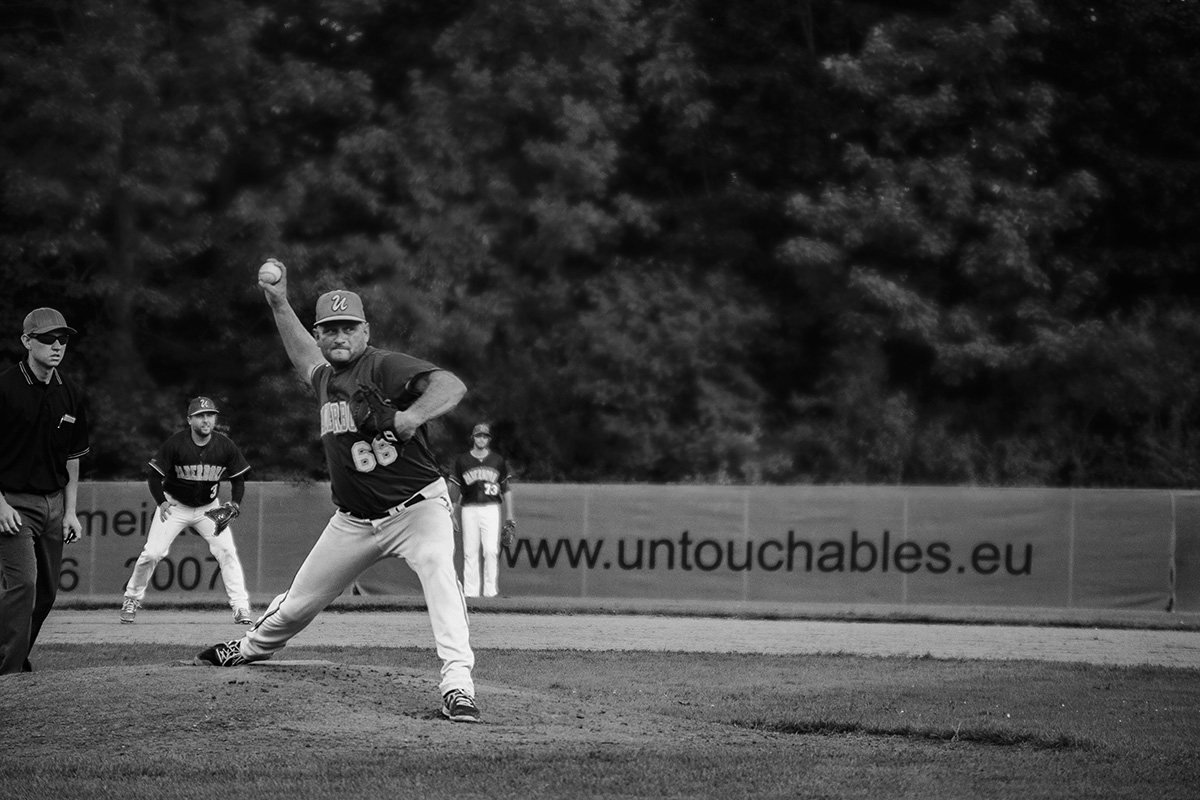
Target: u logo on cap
[[339, 303]]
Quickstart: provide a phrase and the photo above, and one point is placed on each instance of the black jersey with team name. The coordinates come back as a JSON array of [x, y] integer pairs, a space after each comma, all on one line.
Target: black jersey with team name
[[369, 475], [480, 480], [192, 473]]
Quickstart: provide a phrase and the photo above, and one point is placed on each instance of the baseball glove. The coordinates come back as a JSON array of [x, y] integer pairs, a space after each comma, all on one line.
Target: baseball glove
[[372, 412], [508, 533], [222, 515]]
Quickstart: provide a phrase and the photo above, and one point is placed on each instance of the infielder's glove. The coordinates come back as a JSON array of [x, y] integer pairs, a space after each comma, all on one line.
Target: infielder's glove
[[508, 533], [372, 412], [222, 514]]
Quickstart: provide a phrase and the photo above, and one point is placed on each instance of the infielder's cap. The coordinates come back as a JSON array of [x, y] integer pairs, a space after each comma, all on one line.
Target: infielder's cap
[[44, 320], [482, 429], [340, 306], [202, 405]]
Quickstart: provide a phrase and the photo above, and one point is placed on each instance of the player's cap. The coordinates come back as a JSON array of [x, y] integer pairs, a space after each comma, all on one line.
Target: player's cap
[[44, 320], [482, 429], [340, 306], [202, 405]]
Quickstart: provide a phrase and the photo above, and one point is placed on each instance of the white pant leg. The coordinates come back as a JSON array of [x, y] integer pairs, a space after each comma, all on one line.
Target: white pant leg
[[423, 535], [489, 539], [345, 548], [472, 538], [225, 551], [158, 543]]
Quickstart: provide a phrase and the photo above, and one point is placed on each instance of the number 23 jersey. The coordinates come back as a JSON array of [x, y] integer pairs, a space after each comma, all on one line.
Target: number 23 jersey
[[370, 475]]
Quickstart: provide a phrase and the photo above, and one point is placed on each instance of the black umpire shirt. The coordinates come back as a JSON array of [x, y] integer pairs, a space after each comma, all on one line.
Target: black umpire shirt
[[42, 426]]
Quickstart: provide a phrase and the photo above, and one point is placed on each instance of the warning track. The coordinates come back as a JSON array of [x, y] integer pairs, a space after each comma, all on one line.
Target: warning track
[[586, 631]]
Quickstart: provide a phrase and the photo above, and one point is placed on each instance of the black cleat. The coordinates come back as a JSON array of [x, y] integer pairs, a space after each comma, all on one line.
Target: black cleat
[[222, 654], [458, 706]]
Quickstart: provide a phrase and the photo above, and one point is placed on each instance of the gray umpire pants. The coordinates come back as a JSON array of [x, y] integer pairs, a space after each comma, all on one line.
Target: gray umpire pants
[[30, 561]]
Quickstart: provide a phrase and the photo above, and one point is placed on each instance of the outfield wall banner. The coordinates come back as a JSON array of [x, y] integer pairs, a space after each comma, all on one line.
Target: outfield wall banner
[[1054, 548]]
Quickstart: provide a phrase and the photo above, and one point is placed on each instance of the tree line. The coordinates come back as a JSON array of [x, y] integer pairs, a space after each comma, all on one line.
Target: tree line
[[770, 241]]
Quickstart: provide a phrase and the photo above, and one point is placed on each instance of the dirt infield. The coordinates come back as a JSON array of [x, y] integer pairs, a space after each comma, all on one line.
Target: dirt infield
[[604, 705], [523, 631]]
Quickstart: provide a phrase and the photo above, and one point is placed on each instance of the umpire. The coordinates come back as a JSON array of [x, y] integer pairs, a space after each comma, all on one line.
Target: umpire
[[43, 434]]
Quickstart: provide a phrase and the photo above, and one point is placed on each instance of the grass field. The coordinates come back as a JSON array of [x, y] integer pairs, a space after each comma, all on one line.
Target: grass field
[[133, 721]]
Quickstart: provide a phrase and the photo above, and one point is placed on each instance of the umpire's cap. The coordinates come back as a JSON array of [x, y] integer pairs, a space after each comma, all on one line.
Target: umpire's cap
[[340, 306], [44, 320], [482, 429], [202, 405]]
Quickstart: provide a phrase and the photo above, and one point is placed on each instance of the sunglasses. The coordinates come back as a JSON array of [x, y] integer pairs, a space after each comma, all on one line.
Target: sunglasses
[[51, 338]]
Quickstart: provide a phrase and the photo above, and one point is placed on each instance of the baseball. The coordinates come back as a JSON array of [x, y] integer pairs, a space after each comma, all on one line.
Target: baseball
[[270, 272]]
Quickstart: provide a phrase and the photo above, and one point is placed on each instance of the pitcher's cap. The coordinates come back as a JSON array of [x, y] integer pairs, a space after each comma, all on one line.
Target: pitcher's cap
[[44, 320], [340, 306], [201, 405], [482, 429]]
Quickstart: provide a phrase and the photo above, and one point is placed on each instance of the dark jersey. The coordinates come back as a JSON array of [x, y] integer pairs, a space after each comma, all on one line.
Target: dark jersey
[[370, 475], [192, 473], [480, 480], [42, 426]]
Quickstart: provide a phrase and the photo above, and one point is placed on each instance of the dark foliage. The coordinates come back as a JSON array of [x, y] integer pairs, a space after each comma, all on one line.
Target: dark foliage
[[939, 241]]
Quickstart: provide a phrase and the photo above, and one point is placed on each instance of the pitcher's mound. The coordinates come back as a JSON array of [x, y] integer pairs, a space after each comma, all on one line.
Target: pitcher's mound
[[292, 704]]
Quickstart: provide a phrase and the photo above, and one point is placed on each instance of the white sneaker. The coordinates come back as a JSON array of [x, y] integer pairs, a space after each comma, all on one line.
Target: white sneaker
[[129, 609]]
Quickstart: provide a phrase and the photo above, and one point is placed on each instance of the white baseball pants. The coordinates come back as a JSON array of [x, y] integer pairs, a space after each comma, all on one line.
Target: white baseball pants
[[162, 534], [423, 535], [481, 532]]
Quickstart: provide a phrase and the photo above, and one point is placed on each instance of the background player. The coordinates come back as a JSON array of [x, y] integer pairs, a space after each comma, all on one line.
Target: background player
[[184, 477], [479, 479], [391, 499]]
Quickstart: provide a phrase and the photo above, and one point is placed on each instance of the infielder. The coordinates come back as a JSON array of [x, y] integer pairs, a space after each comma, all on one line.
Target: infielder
[[392, 501], [479, 488], [184, 477]]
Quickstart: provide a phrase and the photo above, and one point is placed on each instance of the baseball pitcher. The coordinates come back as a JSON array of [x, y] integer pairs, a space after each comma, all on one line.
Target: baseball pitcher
[[391, 500]]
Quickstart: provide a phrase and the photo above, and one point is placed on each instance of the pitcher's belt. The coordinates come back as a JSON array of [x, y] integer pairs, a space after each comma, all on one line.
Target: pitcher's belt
[[391, 512]]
